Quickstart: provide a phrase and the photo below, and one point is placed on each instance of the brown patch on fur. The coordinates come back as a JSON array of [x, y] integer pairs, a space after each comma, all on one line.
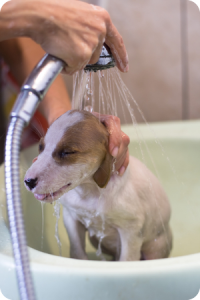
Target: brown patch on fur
[[88, 138], [102, 175]]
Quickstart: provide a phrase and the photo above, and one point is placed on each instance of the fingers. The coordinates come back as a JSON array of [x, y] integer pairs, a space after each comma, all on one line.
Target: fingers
[[118, 141], [83, 46], [74, 31], [95, 56], [117, 47], [77, 59], [83, 62], [125, 163], [122, 159]]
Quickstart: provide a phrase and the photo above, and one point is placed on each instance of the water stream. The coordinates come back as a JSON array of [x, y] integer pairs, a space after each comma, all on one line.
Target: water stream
[[106, 93], [42, 237], [57, 206]]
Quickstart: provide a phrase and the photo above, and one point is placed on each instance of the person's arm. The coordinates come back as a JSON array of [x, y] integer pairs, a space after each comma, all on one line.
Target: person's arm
[[71, 30], [74, 31], [22, 55]]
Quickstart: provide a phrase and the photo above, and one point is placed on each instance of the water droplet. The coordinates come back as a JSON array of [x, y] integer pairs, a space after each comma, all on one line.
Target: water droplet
[[88, 108], [101, 74], [90, 92]]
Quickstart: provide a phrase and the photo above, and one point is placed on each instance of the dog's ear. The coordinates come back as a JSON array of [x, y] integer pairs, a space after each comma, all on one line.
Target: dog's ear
[[102, 175]]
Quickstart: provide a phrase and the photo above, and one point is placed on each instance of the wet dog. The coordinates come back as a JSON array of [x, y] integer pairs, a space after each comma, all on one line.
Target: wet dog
[[128, 215]]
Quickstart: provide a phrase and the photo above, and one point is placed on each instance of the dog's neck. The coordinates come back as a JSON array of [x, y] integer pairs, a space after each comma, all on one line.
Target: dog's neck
[[88, 184]]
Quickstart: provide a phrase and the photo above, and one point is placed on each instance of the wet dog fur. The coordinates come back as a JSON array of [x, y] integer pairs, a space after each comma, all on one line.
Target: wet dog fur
[[128, 215]]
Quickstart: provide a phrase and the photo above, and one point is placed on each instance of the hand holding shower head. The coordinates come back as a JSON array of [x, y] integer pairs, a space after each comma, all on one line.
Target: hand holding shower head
[[106, 61]]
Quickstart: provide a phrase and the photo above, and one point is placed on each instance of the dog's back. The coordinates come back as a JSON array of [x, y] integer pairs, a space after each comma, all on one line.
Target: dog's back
[[129, 217]]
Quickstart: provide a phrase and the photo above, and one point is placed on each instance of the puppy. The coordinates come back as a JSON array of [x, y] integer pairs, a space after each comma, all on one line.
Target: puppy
[[127, 216]]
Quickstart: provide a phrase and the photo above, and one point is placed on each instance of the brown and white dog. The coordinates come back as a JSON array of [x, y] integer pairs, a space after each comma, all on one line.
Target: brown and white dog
[[128, 215]]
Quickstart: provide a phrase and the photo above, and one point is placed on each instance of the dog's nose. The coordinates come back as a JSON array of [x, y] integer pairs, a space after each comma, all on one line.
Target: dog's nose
[[31, 182]]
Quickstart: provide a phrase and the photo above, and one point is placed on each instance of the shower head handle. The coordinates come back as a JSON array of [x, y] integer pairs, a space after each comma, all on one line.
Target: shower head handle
[[42, 76], [36, 86], [106, 61]]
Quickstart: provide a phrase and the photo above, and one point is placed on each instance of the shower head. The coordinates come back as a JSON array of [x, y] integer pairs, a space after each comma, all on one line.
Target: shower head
[[106, 61]]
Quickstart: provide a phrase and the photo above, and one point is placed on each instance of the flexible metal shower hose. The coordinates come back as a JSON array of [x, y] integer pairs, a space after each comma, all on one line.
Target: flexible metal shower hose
[[32, 92], [14, 207]]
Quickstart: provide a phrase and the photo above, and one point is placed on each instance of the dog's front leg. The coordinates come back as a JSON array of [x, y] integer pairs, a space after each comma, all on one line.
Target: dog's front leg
[[130, 244], [76, 232]]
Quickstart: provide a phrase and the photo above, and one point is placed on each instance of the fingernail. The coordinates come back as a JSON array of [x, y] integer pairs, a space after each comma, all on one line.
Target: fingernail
[[126, 69], [115, 152], [121, 171]]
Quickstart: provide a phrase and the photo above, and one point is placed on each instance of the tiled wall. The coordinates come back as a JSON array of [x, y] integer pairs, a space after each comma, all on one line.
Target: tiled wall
[[164, 55]]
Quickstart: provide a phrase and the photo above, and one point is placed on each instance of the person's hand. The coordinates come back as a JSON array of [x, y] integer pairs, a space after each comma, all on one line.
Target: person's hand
[[71, 30], [118, 141]]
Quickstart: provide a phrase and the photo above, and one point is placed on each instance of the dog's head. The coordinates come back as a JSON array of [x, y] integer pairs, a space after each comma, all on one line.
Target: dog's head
[[74, 150]]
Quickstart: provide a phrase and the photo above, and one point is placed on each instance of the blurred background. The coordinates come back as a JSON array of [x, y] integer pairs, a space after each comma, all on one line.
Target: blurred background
[[163, 43]]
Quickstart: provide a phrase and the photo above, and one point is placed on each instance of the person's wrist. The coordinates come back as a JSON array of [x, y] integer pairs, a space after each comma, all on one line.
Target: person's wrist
[[15, 19], [21, 19]]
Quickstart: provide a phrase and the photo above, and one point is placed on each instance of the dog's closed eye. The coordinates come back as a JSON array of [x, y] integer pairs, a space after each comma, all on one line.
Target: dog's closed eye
[[63, 154], [41, 145]]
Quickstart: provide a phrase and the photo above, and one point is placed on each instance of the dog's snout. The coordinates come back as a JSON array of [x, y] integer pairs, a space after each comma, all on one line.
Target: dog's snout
[[31, 182]]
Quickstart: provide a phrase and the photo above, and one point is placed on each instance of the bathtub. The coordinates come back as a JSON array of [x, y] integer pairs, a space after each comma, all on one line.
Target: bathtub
[[172, 152]]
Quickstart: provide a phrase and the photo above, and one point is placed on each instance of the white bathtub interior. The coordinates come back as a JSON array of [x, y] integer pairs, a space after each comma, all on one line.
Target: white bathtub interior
[[175, 150]]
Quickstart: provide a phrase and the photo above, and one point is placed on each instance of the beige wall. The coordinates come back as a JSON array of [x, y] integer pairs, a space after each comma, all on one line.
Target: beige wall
[[151, 30]]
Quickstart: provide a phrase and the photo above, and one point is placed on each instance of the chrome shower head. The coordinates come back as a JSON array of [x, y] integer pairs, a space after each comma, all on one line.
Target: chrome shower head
[[106, 61]]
